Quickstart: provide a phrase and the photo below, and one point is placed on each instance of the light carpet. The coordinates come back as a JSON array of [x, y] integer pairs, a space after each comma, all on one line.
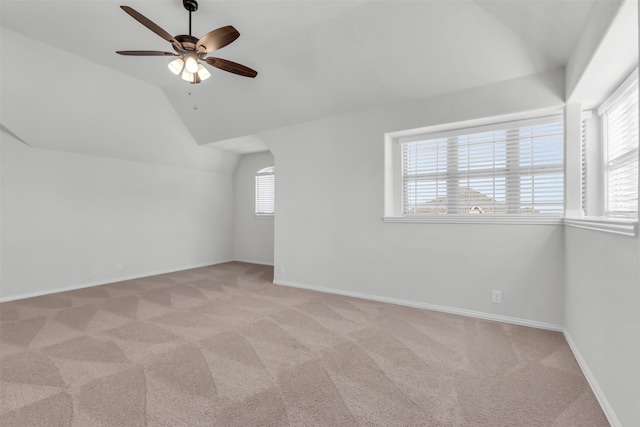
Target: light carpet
[[223, 346]]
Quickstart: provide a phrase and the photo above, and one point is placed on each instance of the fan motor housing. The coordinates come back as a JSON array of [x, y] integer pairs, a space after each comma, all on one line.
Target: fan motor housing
[[188, 42]]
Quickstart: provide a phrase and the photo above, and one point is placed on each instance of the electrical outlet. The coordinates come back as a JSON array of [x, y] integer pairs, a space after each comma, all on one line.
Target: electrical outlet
[[96, 269], [281, 268], [119, 266], [496, 297]]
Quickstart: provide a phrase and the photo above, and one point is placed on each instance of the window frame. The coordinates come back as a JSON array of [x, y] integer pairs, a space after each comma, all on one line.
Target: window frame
[[264, 172], [592, 219], [393, 209], [596, 218], [613, 100]]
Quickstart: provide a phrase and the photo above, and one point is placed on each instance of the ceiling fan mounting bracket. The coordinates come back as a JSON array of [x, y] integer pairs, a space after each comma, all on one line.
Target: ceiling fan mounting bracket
[[190, 5]]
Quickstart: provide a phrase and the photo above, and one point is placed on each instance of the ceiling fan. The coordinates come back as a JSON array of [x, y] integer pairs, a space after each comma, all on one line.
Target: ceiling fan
[[189, 50]]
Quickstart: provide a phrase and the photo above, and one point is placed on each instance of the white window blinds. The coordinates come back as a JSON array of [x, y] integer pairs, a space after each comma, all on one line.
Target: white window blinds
[[583, 169], [265, 192], [513, 168], [620, 122]]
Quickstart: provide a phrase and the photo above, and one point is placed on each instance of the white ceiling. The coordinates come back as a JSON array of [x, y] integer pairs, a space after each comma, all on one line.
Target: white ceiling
[[314, 58]]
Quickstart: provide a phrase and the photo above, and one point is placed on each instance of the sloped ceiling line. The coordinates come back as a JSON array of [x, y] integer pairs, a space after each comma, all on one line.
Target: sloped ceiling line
[[8, 131]]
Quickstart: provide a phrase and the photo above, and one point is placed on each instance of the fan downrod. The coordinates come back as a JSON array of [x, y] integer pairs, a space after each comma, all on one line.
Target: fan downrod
[[190, 5]]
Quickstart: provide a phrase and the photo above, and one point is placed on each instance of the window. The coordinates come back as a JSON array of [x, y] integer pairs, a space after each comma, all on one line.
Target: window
[[512, 168], [583, 169], [620, 130], [265, 192]]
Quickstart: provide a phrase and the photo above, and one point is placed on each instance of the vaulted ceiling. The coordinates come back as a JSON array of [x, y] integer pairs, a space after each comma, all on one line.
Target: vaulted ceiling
[[314, 58]]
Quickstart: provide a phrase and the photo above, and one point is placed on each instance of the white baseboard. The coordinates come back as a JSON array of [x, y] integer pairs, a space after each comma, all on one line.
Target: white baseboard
[[106, 282], [426, 306], [254, 262], [591, 379]]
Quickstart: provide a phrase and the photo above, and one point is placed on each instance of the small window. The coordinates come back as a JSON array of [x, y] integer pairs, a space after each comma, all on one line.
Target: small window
[[513, 168], [265, 192], [620, 129]]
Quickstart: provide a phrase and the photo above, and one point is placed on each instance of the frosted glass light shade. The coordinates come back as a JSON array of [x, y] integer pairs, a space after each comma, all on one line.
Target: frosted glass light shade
[[203, 72], [187, 76], [191, 65], [176, 66]]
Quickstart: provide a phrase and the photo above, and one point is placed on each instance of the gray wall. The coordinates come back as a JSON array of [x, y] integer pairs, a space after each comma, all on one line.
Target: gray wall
[[329, 228], [64, 213], [602, 314], [127, 184], [602, 303]]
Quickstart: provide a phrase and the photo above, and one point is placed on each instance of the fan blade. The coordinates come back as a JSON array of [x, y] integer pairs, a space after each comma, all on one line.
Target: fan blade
[[231, 67], [149, 24], [217, 39], [145, 53]]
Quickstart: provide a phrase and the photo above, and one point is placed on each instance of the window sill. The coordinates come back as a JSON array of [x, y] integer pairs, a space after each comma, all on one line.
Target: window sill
[[622, 226], [625, 227], [475, 219], [263, 216]]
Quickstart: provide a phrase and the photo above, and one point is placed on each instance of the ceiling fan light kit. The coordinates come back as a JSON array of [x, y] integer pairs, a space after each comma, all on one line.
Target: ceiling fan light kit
[[191, 50], [176, 66]]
